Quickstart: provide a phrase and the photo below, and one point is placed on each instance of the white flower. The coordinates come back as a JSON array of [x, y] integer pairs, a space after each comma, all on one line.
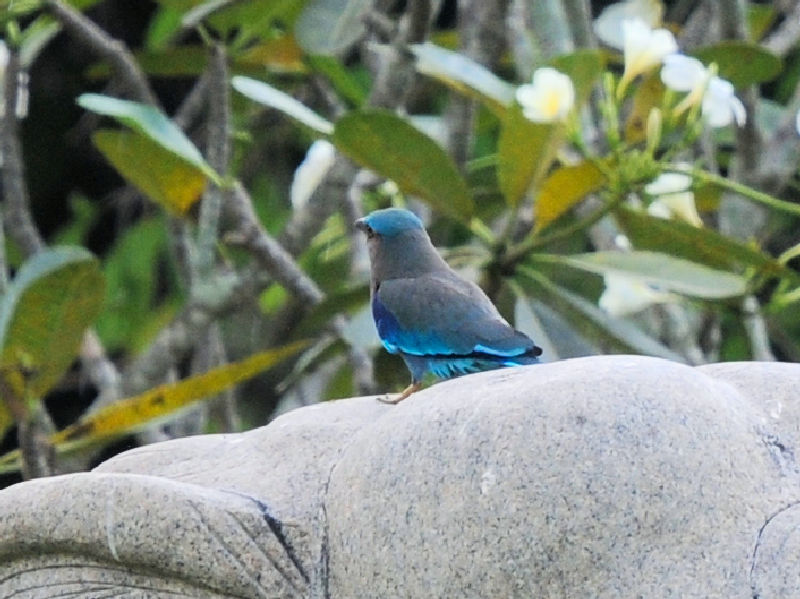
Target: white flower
[[668, 183], [673, 199], [720, 105], [608, 26], [548, 98], [685, 74], [312, 170], [644, 47], [627, 294]]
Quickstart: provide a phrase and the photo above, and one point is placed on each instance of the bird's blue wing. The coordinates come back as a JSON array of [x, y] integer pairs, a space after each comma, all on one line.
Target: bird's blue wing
[[441, 314]]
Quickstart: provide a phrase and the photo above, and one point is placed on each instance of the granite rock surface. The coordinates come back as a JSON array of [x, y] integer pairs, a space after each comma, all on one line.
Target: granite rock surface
[[615, 476]]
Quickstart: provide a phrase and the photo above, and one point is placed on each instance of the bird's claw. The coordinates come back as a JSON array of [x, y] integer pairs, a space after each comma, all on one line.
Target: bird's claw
[[387, 399]]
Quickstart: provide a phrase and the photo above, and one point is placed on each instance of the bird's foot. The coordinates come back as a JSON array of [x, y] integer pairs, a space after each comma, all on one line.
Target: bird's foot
[[406, 392]]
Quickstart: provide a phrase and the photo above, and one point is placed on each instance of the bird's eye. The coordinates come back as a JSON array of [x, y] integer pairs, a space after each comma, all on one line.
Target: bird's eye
[[370, 232]]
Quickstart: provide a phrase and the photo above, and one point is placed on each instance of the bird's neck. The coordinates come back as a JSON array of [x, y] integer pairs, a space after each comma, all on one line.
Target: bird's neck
[[410, 254]]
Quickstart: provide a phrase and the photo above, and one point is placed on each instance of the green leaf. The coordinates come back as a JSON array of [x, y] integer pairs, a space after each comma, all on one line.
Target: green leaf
[[583, 67], [55, 296], [741, 63], [563, 189], [164, 177], [525, 151], [35, 38], [705, 246], [464, 75], [274, 98], [328, 27], [248, 21], [345, 84], [668, 273], [590, 321], [384, 142], [140, 286], [151, 122]]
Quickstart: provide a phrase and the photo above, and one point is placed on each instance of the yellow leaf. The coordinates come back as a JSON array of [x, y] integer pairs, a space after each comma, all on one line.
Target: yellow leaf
[[135, 413], [525, 151], [281, 54], [564, 188], [161, 175], [648, 96]]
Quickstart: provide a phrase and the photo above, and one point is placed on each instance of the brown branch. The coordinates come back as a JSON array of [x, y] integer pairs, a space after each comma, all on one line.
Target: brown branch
[[19, 222], [218, 151], [579, 17], [787, 35], [274, 259], [481, 24]]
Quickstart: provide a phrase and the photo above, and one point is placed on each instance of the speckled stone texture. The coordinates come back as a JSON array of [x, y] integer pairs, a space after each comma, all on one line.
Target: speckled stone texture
[[600, 477]]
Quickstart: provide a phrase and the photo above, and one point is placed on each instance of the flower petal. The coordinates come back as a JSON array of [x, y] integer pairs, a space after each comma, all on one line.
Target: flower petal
[[549, 97]]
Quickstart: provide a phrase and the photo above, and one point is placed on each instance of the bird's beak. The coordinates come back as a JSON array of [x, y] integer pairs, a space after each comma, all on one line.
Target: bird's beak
[[361, 224]]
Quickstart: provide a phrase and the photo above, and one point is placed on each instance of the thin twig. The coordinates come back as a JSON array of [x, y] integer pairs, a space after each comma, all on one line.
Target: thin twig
[[483, 39], [579, 17], [19, 222], [193, 104], [756, 330], [548, 21], [114, 51], [218, 150], [279, 263], [787, 35], [173, 342]]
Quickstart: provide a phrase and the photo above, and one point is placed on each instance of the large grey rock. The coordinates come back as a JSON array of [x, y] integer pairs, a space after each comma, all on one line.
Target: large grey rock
[[597, 477]]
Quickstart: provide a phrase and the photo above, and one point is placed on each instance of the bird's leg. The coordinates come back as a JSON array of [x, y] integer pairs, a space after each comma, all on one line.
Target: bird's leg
[[406, 392]]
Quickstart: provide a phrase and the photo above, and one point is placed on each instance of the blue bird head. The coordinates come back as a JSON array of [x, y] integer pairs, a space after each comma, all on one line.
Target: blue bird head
[[389, 222], [398, 244]]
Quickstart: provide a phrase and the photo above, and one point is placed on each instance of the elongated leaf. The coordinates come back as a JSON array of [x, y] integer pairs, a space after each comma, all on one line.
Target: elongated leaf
[[464, 75], [329, 27], [345, 84], [741, 63], [590, 321], [134, 413], [382, 141], [35, 38], [54, 297], [564, 188], [156, 405], [151, 122], [666, 272], [274, 98], [525, 151], [705, 246], [164, 177]]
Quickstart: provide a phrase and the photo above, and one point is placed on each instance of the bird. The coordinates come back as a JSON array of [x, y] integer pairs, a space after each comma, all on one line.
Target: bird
[[424, 311]]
